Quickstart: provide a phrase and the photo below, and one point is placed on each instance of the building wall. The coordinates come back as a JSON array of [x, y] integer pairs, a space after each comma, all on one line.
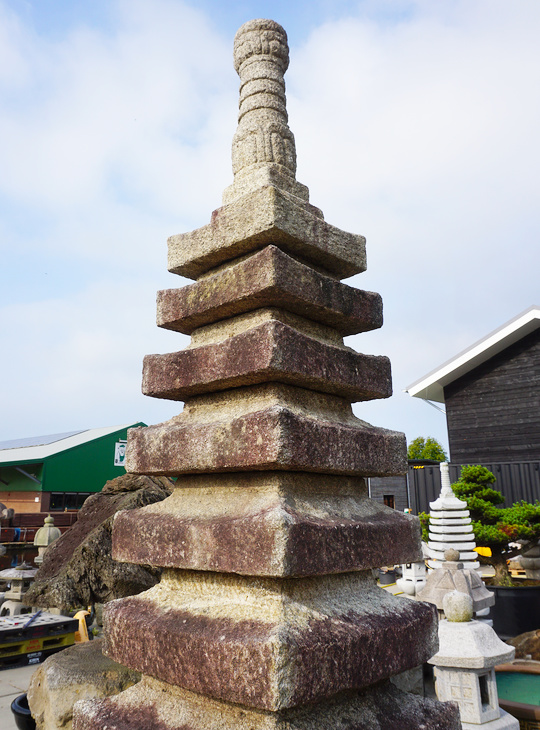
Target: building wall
[[389, 487], [493, 412], [69, 475], [84, 468], [22, 501], [13, 480]]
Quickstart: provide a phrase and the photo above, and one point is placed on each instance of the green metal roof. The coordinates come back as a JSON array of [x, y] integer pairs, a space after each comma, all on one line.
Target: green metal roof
[[39, 448]]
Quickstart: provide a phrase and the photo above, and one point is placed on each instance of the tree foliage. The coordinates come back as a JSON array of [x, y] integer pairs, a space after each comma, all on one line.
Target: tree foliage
[[429, 448], [493, 526]]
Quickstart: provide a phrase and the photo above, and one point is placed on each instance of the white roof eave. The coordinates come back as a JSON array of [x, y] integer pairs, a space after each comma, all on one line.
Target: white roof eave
[[431, 386]]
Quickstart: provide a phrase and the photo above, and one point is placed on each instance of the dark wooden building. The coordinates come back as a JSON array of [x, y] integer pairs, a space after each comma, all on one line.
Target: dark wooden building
[[492, 395]]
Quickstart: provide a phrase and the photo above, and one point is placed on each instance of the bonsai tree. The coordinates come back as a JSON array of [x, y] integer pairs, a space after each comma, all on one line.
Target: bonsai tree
[[496, 527], [429, 448]]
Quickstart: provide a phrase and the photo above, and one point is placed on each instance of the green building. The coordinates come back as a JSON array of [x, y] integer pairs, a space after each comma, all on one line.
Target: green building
[[57, 472]]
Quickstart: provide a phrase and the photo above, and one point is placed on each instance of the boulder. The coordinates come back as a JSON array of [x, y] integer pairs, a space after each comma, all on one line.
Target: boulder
[[78, 569], [77, 673], [527, 645]]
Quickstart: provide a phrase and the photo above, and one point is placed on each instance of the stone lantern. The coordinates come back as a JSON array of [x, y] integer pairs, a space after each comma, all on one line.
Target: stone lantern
[[45, 536], [464, 666], [530, 562], [20, 579], [413, 578]]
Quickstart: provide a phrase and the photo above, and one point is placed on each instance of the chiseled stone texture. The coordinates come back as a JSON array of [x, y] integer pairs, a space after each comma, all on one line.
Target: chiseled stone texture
[[269, 278], [471, 645], [269, 643], [154, 705], [269, 352], [270, 439], [266, 427], [262, 217], [76, 673], [268, 384], [275, 524]]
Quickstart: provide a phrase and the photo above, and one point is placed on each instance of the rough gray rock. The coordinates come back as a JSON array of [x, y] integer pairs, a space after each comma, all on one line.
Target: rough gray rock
[[78, 569], [77, 673]]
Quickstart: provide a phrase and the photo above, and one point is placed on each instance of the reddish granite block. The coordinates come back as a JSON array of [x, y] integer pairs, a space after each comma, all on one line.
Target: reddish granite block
[[272, 438], [269, 352], [269, 664], [269, 278], [154, 705], [268, 534]]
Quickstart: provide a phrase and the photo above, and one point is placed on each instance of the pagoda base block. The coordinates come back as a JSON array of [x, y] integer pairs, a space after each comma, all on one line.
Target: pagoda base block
[[155, 705]]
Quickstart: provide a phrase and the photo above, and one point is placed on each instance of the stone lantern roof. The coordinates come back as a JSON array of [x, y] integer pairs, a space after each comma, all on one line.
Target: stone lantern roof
[[47, 534], [453, 576]]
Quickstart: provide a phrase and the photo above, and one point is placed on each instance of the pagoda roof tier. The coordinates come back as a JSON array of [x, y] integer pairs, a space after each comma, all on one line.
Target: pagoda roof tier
[[271, 351], [262, 217], [273, 523], [269, 278]]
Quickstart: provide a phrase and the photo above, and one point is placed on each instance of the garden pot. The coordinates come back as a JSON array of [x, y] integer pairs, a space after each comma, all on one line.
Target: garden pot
[[516, 610], [23, 717], [387, 577]]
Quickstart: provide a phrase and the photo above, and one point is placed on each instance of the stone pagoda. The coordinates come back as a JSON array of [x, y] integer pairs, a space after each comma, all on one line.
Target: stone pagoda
[[267, 615], [450, 527]]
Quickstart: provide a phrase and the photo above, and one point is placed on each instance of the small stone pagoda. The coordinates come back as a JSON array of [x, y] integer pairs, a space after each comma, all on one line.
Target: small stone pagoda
[[450, 527], [267, 615]]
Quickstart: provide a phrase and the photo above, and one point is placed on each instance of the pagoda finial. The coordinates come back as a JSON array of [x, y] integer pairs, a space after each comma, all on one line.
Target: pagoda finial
[[263, 148]]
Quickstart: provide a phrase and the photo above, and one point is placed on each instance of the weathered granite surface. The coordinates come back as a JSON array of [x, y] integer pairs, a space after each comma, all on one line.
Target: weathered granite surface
[[267, 614], [154, 705], [266, 427], [260, 218], [274, 523], [269, 643], [76, 673], [269, 352], [269, 278]]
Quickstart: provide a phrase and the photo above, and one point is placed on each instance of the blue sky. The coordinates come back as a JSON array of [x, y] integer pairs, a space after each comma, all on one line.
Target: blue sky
[[416, 125]]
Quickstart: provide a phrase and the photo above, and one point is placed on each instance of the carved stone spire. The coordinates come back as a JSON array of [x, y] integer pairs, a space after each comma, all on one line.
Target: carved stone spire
[[263, 148]]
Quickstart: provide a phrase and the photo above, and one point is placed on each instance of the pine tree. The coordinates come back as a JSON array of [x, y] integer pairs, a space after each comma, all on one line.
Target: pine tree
[[495, 527]]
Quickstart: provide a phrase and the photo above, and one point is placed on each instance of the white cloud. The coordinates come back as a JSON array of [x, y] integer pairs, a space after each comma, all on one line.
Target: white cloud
[[416, 124]]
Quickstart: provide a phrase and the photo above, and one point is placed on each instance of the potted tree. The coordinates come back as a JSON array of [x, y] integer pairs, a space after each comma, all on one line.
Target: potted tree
[[496, 527]]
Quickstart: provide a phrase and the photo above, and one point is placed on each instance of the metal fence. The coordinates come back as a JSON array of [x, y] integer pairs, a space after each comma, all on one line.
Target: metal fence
[[516, 480]]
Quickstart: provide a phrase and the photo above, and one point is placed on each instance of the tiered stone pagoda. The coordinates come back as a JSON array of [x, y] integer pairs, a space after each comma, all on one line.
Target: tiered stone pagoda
[[450, 527], [267, 614]]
